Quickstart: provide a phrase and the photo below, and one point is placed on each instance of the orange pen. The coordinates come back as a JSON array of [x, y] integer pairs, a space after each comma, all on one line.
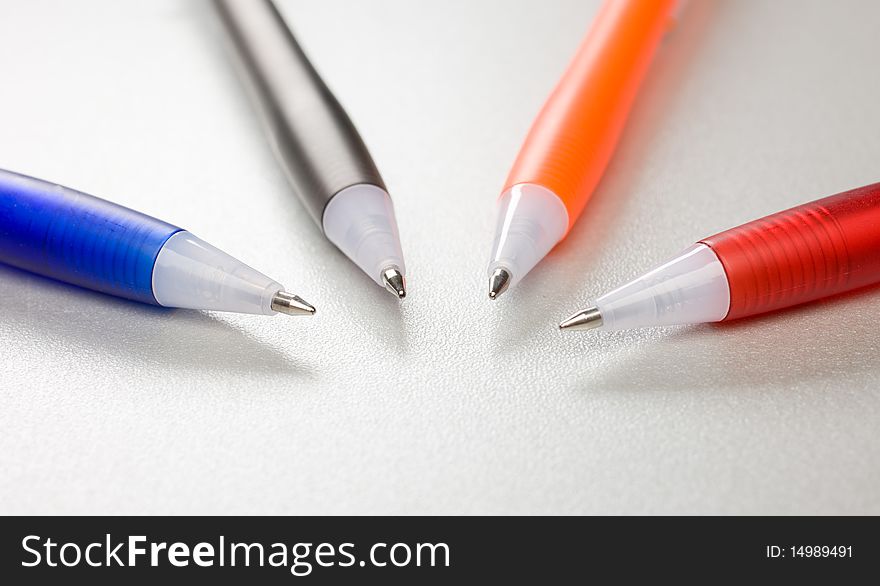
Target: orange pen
[[574, 135]]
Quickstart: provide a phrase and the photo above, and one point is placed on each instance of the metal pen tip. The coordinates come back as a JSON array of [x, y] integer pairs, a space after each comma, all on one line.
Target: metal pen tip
[[394, 281], [499, 281], [583, 320], [284, 302]]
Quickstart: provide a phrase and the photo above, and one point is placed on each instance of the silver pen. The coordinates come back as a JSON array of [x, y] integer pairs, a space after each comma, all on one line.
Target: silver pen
[[322, 153]]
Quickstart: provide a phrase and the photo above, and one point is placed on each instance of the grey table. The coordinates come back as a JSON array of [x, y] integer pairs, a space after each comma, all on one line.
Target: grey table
[[446, 403]]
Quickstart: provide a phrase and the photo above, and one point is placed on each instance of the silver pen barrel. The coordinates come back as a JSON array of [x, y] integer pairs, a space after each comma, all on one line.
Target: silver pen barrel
[[319, 148], [313, 138]]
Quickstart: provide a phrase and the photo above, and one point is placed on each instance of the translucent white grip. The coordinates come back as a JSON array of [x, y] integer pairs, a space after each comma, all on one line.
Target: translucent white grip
[[691, 288], [360, 221], [531, 220], [190, 273]]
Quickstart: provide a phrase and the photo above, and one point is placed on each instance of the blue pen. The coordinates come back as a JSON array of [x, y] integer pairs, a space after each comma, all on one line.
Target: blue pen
[[80, 239]]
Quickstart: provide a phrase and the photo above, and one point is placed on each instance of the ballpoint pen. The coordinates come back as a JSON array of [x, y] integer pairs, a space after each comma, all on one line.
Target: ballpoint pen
[[573, 137], [80, 239], [316, 143], [815, 250]]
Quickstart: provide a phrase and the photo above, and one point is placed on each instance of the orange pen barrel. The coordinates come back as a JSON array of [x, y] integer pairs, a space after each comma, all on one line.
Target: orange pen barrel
[[573, 137]]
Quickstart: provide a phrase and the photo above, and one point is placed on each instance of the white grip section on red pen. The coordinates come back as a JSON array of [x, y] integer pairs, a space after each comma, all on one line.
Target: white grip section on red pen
[[360, 221], [192, 274], [691, 288], [531, 220]]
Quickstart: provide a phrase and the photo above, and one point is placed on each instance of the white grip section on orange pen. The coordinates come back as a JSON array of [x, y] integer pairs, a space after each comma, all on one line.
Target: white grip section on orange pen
[[691, 288], [531, 220]]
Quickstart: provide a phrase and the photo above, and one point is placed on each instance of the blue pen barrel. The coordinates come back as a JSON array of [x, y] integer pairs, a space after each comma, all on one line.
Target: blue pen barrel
[[78, 238]]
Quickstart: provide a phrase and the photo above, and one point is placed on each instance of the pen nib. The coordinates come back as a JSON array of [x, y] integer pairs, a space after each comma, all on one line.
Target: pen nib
[[284, 302], [498, 283], [583, 320], [394, 282]]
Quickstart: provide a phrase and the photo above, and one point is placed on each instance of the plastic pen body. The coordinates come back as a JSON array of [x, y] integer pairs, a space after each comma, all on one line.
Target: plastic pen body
[[573, 138], [806, 253], [83, 240], [314, 140]]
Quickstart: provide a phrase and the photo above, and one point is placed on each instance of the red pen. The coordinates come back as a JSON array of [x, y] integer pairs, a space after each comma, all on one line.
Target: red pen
[[808, 252]]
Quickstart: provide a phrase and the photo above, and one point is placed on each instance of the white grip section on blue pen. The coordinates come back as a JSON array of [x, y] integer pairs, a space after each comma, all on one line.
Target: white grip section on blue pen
[[360, 221], [691, 288], [531, 220], [192, 274]]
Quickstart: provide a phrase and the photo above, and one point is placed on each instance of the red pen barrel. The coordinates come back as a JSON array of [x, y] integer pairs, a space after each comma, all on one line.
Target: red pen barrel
[[811, 251]]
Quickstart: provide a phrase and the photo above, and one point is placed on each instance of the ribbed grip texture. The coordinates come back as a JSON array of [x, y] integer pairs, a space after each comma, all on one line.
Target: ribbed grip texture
[[574, 135], [77, 238], [805, 253]]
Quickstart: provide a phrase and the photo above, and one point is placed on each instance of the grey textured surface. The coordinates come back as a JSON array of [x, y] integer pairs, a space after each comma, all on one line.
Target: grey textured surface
[[446, 403]]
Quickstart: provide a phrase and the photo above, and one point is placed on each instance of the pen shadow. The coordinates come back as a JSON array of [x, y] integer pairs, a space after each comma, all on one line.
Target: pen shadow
[[775, 350], [521, 317], [370, 299], [567, 262], [143, 336]]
